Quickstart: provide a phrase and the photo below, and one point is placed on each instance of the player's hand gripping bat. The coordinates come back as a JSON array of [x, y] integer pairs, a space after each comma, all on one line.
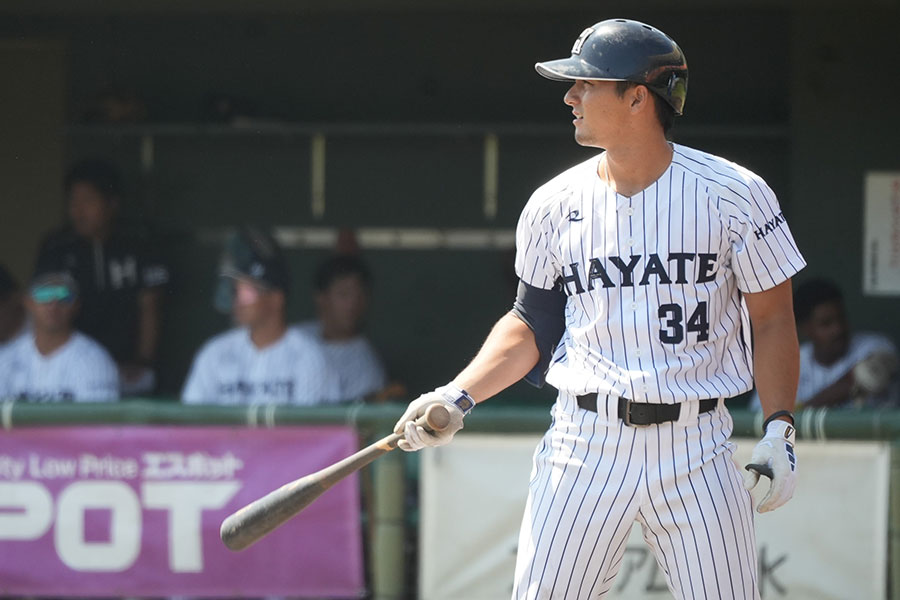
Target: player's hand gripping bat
[[261, 516]]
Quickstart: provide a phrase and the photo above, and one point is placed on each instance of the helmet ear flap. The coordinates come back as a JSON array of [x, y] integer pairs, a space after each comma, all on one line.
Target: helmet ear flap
[[676, 91]]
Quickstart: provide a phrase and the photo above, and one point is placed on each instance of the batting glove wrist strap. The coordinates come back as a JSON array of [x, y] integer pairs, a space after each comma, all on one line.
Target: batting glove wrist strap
[[781, 430], [775, 415], [458, 397]]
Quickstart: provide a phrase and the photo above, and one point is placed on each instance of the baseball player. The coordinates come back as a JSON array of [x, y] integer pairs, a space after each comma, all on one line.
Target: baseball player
[[342, 296], [53, 362], [642, 272], [261, 360]]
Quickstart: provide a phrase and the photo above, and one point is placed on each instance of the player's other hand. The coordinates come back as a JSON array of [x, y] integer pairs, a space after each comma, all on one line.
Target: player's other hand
[[416, 437], [776, 451]]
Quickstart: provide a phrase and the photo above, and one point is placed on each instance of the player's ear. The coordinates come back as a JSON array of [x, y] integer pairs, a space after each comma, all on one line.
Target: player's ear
[[280, 299], [321, 300], [76, 308], [640, 97]]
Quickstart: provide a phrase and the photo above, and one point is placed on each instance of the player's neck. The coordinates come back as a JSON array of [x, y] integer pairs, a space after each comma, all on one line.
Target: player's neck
[[48, 342], [631, 169], [333, 332], [268, 332]]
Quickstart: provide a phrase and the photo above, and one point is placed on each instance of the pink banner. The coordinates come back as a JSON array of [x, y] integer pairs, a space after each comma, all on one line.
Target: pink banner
[[135, 511]]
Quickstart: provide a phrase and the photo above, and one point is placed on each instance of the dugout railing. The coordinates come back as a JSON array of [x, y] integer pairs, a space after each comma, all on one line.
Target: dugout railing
[[389, 517]]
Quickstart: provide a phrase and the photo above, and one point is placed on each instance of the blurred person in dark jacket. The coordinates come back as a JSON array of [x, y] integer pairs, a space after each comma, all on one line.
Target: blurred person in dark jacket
[[120, 278]]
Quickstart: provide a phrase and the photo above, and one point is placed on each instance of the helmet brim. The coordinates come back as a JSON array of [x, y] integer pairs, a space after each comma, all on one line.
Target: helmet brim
[[569, 69]]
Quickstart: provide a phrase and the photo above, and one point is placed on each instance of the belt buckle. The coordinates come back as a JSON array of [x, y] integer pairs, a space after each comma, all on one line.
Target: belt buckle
[[626, 418]]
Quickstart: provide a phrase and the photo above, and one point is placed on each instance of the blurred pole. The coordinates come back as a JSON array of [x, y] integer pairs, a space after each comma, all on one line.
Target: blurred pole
[[894, 527], [388, 543], [317, 176]]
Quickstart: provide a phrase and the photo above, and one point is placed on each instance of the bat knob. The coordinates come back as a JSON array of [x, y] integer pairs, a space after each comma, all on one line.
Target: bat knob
[[437, 417], [761, 469], [230, 534]]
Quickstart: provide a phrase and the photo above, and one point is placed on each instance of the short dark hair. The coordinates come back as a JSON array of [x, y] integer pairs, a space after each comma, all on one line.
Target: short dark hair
[[341, 265], [813, 293], [665, 114], [101, 174]]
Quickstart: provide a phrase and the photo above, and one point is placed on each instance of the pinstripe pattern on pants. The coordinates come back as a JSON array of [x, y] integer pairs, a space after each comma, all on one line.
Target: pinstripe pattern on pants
[[593, 477]]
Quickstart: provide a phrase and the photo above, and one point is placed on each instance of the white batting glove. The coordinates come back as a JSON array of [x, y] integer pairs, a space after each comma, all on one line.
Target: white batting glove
[[775, 451], [416, 437]]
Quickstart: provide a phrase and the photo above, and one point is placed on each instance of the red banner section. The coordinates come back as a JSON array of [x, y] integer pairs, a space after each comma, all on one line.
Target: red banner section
[[135, 511]]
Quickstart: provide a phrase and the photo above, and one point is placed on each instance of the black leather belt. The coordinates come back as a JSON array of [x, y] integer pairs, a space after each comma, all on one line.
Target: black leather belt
[[634, 413]]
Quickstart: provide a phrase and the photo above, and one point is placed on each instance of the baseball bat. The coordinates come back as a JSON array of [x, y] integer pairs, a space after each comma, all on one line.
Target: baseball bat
[[249, 524]]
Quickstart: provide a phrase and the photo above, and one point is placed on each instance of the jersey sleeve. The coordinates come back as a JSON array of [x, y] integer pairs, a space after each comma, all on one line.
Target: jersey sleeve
[[764, 253], [872, 343], [198, 387], [317, 381], [99, 381], [5, 373], [536, 263]]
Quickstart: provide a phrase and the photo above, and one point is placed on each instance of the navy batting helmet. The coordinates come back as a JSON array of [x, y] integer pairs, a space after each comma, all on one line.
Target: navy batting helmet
[[624, 50], [254, 254]]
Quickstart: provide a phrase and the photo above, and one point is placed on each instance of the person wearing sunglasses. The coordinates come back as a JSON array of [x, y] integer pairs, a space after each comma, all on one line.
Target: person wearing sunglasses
[[56, 363]]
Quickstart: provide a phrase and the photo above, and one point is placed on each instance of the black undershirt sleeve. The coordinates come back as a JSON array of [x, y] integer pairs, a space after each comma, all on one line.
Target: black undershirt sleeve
[[544, 311]]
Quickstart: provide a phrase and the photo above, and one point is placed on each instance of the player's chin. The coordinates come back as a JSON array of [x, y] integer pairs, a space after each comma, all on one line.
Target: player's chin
[[584, 139]]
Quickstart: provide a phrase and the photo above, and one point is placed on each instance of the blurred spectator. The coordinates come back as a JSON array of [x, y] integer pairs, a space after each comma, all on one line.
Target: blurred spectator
[[120, 282], [838, 367], [55, 363], [342, 287], [13, 321], [261, 360]]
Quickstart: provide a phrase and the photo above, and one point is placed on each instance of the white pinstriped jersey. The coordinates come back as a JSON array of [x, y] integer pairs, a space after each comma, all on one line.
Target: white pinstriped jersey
[[654, 312], [80, 370], [230, 369], [354, 361]]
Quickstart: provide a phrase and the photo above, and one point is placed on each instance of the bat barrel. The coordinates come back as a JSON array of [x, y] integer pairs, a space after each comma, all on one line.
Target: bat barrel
[[249, 524]]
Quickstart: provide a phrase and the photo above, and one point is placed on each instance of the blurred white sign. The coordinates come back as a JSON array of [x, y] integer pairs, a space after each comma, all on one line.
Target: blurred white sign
[[829, 542], [881, 234]]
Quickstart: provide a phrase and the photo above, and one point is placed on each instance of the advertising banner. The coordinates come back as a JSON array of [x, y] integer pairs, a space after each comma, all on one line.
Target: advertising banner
[[881, 234], [828, 542], [135, 511]]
